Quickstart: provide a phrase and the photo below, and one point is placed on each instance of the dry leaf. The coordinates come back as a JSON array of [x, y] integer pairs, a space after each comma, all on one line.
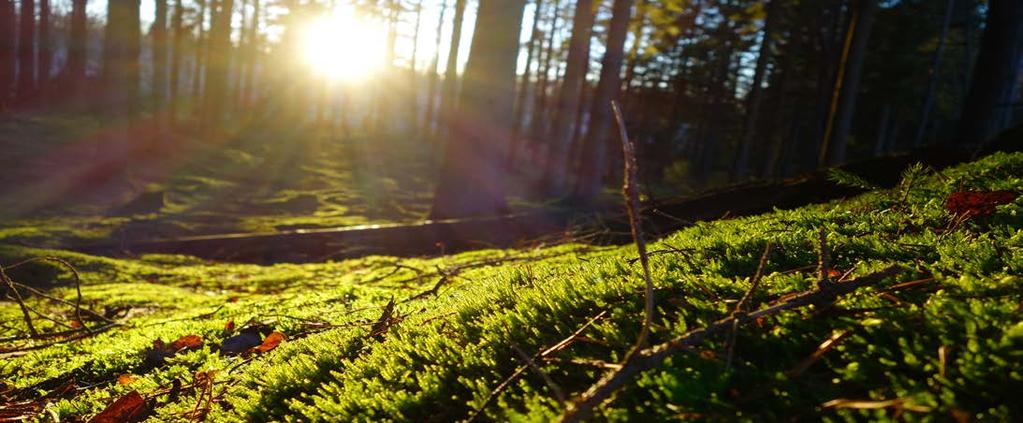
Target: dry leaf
[[125, 379], [977, 203], [272, 341], [187, 342], [129, 408]]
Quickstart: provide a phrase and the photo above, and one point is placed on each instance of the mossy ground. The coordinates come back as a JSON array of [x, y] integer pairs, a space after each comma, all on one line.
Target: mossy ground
[[935, 351]]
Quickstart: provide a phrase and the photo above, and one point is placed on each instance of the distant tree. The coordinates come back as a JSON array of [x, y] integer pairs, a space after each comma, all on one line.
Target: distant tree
[[599, 136], [932, 77], [218, 60], [532, 48], [449, 90], [431, 90], [8, 48], [159, 33], [540, 119], [251, 56], [178, 34], [556, 172], [26, 51], [44, 50], [78, 41], [847, 84], [755, 97], [201, 55], [472, 174], [995, 73], [121, 47]]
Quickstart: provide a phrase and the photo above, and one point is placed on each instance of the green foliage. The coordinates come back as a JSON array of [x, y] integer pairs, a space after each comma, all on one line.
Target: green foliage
[[939, 349]]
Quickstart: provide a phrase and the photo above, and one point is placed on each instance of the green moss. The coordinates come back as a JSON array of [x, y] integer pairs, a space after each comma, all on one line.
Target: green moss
[[949, 347]]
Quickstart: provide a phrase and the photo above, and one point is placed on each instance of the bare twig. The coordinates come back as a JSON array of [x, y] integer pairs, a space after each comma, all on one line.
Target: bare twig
[[823, 260], [536, 369], [823, 348], [654, 356], [630, 190], [564, 343], [743, 303], [16, 296], [74, 272]]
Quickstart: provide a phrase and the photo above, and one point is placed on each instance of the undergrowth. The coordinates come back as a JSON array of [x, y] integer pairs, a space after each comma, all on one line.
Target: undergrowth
[[943, 340]]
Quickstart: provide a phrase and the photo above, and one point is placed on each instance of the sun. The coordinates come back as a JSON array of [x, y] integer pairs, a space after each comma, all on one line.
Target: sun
[[343, 46]]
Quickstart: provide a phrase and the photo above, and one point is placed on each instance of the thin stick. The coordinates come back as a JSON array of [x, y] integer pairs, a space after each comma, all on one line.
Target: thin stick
[[564, 343], [536, 369], [74, 272], [740, 307], [630, 191], [16, 296], [654, 356]]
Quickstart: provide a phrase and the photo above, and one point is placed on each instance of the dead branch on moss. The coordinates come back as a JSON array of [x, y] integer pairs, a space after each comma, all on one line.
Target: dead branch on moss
[[13, 294], [543, 375], [823, 348], [743, 303], [652, 357], [630, 190], [561, 345]]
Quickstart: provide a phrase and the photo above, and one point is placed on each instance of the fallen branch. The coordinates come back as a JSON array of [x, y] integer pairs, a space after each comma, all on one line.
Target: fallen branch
[[652, 357], [743, 303]]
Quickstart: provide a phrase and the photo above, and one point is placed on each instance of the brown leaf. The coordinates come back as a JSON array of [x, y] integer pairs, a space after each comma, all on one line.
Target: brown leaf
[[834, 273], [187, 342], [272, 341], [125, 379], [977, 203], [229, 326], [76, 324], [129, 408]]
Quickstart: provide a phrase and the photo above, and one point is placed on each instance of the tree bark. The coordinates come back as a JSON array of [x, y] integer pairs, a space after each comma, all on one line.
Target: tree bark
[[847, 87], [449, 89], [598, 137], [472, 176], [8, 49], [568, 99], [749, 127], [121, 47], [26, 51], [159, 33], [994, 74]]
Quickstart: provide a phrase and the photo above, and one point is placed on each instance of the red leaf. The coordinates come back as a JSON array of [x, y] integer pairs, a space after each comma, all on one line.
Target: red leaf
[[229, 326], [187, 342], [125, 379], [272, 341], [129, 408], [834, 273], [977, 203]]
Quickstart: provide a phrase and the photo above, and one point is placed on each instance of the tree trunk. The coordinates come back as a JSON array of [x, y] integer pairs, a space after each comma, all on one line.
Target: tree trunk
[[599, 135], [568, 99], [201, 47], [847, 85], [121, 47], [523, 87], [431, 96], [45, 50], [217, 65], [26, 51], [633, 58], [8, 47], [994, 74], [178, 32], [472, 176], [749, 127], [247, 92], [539, 120], [159, 32], [449, 89], [932, 83], [413, 92], [77, 47]]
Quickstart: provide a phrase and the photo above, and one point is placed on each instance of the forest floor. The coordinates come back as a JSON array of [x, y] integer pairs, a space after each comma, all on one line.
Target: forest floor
[[262, 179], [519, 334]]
